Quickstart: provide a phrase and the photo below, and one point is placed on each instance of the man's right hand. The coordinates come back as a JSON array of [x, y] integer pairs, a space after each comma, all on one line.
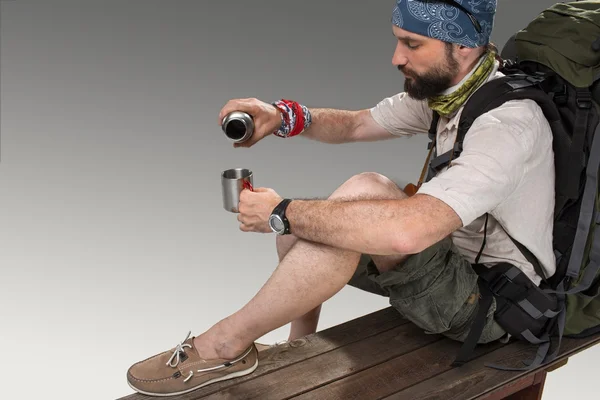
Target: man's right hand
[[267, 118]]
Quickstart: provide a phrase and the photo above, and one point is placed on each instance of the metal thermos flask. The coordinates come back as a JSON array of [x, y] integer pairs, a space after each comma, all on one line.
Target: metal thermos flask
[[238, 126]]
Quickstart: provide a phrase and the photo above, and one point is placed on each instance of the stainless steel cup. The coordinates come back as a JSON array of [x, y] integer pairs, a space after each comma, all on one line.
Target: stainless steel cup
[[233, 181], [238, 126]]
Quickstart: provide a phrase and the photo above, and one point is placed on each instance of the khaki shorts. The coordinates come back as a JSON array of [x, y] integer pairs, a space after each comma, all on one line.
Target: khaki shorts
[[436, 290]]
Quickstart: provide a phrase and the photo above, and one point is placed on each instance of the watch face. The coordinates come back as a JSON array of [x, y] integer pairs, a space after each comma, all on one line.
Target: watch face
[[276, 223]]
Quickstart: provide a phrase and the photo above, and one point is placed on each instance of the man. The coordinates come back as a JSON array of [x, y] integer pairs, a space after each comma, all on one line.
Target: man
[[418, 250]]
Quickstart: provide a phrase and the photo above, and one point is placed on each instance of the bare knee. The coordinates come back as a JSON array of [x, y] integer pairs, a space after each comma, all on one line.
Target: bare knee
[[371, 185], [284, 243], [368, 185]]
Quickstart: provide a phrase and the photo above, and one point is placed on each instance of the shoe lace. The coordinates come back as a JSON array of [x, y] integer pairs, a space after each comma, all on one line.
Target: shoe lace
[[179, 349], [217, 367]]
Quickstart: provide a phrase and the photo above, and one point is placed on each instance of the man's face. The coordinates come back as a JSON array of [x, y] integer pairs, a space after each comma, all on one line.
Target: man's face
[[428, 65]]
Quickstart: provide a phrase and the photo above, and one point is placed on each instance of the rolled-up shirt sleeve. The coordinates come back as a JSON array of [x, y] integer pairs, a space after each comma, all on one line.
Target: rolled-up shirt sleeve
[[402, 115], [490, 167]]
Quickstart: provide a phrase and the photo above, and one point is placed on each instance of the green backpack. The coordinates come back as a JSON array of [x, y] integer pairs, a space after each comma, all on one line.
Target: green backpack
[[555, 61], [565, 39]]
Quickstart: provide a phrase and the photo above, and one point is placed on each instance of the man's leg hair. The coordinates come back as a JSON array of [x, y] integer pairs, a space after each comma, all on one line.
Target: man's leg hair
[[307, 323], [308, 274]]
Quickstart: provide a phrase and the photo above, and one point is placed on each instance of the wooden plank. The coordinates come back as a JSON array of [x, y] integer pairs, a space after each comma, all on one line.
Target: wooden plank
[[533, 392], [558, 365], [569, 347], [305, 348], [475, 381], [396, 374], [516, 387], [314, 372]]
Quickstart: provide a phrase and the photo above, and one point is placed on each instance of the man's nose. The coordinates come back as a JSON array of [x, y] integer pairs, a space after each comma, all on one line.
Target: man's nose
[[399, 58]]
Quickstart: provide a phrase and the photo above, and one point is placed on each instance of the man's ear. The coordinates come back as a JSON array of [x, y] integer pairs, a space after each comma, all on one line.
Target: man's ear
[[464, 52]]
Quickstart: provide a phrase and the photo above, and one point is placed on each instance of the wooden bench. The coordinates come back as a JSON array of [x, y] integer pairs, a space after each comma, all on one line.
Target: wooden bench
[[382, 356]]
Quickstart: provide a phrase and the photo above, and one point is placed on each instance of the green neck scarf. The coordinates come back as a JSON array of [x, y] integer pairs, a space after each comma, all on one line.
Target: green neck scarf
[[446, 104]]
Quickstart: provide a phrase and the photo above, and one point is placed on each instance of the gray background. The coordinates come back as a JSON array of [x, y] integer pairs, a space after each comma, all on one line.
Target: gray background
[[113, 241]]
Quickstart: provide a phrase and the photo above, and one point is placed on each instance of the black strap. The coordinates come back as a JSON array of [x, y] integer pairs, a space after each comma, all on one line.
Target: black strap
[[526, 253], [500, 283], [518, 86], [433, 127], [432, 142], [496, 92], [583, 101], [514, 87], [441, 161], [484, 239], [466, 350], [499, 279], [543, 354], [531, 258]]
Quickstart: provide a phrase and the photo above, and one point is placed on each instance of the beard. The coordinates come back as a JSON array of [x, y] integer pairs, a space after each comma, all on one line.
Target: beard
[[434, 81]]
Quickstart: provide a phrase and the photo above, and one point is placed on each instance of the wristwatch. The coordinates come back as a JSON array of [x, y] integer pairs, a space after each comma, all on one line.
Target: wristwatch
[[278, 221]]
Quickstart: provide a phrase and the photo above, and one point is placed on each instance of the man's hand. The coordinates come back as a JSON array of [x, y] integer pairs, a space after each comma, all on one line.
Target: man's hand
[[267, 118], [255, 208]]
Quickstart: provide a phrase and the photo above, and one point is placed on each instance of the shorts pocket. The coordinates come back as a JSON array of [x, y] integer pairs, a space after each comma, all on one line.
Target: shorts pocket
[[457, 296], [422, 312], [443, 301]]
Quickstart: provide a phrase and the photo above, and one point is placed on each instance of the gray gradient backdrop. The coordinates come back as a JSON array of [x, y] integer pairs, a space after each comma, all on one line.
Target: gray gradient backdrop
[[113, 241]]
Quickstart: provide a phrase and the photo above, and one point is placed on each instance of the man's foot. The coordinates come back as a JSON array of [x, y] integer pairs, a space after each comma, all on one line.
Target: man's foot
[[181, 370]]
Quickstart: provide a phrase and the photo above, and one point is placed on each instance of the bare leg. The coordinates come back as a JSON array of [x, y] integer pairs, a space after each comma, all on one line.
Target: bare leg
[[309, 274], [307, 323]]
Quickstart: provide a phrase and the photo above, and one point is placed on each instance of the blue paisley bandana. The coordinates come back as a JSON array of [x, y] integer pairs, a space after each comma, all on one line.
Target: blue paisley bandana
[[469, 23]]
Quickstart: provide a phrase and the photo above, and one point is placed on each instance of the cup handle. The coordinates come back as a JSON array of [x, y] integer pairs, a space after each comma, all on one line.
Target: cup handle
[[248, 185]]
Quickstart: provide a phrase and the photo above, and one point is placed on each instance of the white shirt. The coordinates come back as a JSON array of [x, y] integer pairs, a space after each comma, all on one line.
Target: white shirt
[[506, 169]]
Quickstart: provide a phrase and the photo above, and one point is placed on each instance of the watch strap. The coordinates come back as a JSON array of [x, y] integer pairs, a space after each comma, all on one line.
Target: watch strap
[[280, 211]]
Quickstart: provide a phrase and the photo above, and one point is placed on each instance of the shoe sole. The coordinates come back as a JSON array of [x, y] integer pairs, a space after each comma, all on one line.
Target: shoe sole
[[223, 378]]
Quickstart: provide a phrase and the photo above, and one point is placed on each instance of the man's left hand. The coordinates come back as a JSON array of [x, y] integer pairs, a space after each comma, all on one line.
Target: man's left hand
[[255, 208]]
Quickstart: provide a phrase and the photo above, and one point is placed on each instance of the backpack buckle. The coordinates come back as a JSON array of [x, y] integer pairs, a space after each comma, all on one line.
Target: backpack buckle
[[499, 283], [583, 99], [583, 104], [559, 94]]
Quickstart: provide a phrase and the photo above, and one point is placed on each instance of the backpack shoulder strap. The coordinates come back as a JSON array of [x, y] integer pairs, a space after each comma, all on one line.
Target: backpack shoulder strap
[[517, 86], [498, 91]]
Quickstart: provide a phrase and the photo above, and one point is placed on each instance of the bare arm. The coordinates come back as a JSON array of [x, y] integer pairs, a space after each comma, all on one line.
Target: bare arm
[[328, 125], [340, 126], [380, 227]]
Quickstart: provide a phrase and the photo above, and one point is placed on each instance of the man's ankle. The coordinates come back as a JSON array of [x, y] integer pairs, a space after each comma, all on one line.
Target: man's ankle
[[216, 343], [205, 348]]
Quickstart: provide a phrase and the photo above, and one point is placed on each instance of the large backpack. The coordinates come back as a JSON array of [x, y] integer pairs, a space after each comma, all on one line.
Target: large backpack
[[555, 61]]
